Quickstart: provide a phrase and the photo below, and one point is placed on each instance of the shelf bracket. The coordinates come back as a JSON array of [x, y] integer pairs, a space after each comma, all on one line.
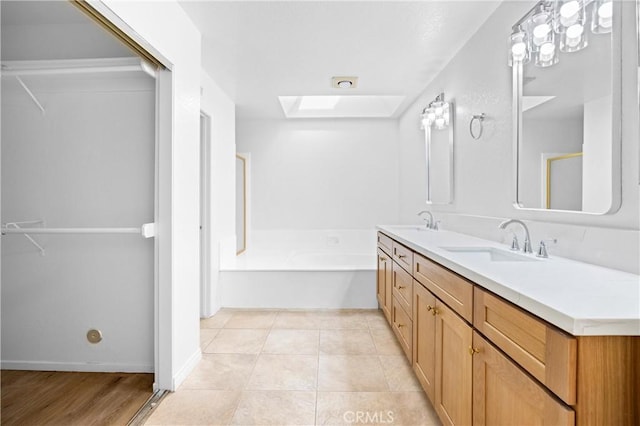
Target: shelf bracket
[[16, 225], [30, 93]]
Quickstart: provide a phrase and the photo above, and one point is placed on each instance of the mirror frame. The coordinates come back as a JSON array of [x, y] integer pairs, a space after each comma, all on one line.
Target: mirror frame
[[616, 123], [427, 146]]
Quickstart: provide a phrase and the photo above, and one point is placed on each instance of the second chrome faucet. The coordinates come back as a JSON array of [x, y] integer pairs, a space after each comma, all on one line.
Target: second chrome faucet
[[527, 238], [430, 222]]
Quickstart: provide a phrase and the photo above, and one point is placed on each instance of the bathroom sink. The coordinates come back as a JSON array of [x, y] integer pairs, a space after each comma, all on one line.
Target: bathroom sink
[[489, 253]]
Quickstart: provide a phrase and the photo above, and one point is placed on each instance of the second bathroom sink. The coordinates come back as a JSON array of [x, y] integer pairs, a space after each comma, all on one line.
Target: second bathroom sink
[[491, 254]]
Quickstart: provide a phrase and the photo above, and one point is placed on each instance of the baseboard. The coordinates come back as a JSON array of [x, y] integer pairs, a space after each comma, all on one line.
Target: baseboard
[[76, 366], [186, 369]]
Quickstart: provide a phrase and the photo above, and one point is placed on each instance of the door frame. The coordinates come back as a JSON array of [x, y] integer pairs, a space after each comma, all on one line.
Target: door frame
[[205, 215]]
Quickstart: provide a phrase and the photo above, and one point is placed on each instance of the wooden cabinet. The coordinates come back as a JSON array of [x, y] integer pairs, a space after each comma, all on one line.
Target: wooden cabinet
[[403, 288], [402, 326], [545, 352], [449, 287], [441, 357], [505, 395], [403, 256], [424, 339], [384, 283], [484, 361], [453, 367]]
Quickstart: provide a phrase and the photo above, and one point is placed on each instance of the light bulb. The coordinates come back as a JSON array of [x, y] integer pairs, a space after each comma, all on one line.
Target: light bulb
[[519, 51], [540, 33], [547, 51], [574, 35], [439, 111], [605, 14], [569, 13], [439, 122], [425, 122]]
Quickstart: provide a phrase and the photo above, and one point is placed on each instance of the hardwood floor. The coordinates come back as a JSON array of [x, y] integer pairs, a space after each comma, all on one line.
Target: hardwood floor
[[61, 398]]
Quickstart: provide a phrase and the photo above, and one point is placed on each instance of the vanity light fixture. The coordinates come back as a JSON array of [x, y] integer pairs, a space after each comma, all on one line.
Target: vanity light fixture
[[554, 26], [436, 114]]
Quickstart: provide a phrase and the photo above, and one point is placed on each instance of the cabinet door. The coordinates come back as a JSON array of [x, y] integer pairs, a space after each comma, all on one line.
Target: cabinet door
[[453, 367], [424, 338], [384, 285], [503, 394]]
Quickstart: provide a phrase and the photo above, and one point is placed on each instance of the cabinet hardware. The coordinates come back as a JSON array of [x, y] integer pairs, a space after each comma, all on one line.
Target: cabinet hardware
[[473, 351], [401, 256], [400, 325], [429, 308], [383, 259], [400, 287]]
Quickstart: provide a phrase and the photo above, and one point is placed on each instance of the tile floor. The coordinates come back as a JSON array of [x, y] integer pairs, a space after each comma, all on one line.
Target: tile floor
[[285, 367]]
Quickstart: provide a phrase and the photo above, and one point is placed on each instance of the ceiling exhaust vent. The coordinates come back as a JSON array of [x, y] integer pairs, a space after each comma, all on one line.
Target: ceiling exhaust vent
[[344, 82]]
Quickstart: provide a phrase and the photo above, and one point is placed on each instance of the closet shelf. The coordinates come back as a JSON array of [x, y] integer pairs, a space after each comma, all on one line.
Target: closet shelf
[[76, 66], [147, 230]]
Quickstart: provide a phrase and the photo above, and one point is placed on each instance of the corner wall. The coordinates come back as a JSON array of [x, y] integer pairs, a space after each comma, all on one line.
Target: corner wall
[[479, 80]]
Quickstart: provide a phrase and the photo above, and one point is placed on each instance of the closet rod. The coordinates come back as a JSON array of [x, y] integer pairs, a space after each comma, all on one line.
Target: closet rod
[[147, 230]]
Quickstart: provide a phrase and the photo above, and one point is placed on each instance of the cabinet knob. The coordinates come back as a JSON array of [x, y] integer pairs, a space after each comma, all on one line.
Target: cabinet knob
[[400, 325], [435, 312], [400, 287], [473, 351], [383, 259], [429, 308], [401, 256]]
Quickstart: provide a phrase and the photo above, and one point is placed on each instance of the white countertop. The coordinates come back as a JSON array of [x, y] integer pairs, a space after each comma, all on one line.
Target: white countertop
[[580, 298]]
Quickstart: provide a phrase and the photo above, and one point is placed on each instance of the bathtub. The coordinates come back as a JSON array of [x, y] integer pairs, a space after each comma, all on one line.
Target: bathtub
[[303, 270]]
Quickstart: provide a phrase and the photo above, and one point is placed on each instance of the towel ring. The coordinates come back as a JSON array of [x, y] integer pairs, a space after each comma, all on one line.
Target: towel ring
[[480, 119]]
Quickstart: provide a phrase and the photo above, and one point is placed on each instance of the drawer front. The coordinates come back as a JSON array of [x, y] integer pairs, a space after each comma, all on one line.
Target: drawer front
[[505, 395], [385, 243], [403, 328], [453, 290], [546, 353], [403, 288], [403, 256]]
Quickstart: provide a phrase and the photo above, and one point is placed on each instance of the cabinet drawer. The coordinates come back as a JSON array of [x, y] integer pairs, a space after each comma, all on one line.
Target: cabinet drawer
[[452, 289], [546, 353], [503, 394], [403, 288], [385, 243], [403, 328], [403, 256]]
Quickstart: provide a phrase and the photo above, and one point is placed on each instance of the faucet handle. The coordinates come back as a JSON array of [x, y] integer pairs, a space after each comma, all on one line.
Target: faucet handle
[[542, 249], [436, 226], [515, 245]]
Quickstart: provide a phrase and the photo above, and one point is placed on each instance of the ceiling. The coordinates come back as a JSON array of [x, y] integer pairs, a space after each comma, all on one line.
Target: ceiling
[[260, 50]]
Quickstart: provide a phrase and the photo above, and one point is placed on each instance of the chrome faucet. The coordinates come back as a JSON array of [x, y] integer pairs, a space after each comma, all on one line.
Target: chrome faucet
[[527, 239], [429, 222]]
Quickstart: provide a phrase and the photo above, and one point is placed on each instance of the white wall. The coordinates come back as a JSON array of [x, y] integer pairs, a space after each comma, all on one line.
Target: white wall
[[164, 27], [87, 162], [479, 80], [321, 174], [217, 105]]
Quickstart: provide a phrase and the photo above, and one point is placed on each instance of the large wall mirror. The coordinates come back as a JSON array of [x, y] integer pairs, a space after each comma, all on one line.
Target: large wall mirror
[[566, 58], [438, 126]]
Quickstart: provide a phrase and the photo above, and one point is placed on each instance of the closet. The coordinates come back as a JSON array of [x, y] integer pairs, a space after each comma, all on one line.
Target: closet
[[78, 174]]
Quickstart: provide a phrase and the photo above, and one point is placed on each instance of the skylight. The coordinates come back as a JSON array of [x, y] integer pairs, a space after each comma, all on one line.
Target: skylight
[[339, 106]]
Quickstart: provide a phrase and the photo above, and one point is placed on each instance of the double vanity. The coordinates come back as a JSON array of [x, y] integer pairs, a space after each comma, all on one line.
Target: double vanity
[[501, 337]]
